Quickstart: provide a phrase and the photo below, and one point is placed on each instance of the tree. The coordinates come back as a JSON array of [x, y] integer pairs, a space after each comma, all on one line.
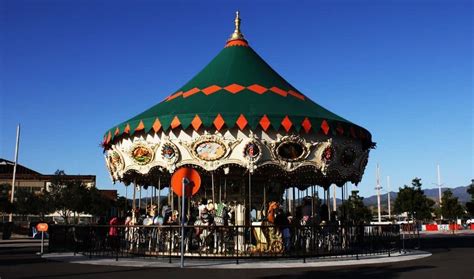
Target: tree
[[450, 209], [98, 204], [353, 211], [5, 205], [413, 201], [470, 205], [68, 197]]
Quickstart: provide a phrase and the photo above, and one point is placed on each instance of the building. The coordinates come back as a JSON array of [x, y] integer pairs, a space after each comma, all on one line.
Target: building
[[34, 181]]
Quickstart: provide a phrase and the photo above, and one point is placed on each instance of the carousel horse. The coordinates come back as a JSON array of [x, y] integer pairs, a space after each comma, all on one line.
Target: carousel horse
[[269, 238], [204, 229], [221, 223]]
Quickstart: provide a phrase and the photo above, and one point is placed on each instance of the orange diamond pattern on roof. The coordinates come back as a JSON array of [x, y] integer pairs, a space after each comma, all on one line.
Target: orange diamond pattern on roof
[[117, 131], [241, 122], [140, 126], [339, 129], [190, 92], [109, 137], [296, 94], [211, 89], [306, 124], [127, 129], [219, 122], [196, 123], [257, 88], [279, 91], [156, 125], [176, 95], [175, 123], [264, 122], [325, 127], [234, 88], [286, 123]]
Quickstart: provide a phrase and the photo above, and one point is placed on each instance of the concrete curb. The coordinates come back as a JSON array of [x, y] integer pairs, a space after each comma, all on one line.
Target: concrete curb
[[243, 263]]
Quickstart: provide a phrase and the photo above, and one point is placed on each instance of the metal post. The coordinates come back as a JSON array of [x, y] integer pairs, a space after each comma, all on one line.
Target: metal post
[[250, 205], [42, 242], [183, 218], [439, 190], [17, 145]]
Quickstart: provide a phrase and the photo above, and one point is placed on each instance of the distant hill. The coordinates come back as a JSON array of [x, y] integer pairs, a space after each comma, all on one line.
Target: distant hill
[[432, 193]]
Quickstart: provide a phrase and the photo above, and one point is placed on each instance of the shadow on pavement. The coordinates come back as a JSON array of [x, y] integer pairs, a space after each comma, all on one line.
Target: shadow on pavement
[[354, 272]]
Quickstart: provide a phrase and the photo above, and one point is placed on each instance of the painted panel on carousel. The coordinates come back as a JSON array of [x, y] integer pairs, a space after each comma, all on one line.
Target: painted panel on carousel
[[252, 151], [114, 161], [210, 150], [169, 152], [328, 154], [142, 154], [291, 149]]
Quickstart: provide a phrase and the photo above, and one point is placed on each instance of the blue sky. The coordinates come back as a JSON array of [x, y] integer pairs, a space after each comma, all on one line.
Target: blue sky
[[70, 70]]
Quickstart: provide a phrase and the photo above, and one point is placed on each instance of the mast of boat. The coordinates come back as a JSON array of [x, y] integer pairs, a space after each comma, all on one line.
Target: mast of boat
[[378, 187]]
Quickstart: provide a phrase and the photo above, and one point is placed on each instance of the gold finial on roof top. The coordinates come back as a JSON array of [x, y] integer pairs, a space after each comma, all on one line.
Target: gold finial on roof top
[[237, 35]]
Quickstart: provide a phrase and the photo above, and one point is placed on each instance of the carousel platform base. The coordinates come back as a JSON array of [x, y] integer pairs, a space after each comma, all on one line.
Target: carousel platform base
[[242, 263]]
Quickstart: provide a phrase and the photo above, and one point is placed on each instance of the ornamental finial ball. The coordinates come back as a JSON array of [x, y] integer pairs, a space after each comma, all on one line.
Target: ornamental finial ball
[[237, 35]]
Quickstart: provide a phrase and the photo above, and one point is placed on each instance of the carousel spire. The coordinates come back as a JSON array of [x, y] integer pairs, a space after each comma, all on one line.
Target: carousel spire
[[237, 35]]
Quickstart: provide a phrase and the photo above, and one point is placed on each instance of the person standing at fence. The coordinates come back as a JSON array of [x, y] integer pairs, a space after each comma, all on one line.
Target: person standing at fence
[[283, 223], [113, 233]]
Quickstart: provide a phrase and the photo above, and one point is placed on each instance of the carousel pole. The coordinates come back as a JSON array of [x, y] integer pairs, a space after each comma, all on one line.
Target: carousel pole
[[126, 199], [293, 205], [134, 206], [220, 190], [334, 202], [212, 181], [172, 200], [159, 194], [264, 199], [139, 199], [148, 195], [225, 188]]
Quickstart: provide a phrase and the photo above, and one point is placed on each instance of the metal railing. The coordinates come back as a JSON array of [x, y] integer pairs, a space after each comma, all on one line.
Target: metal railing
[[225, 241]]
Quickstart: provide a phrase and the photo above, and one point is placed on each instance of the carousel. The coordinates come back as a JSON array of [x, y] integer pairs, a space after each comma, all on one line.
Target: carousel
[[250, 135]]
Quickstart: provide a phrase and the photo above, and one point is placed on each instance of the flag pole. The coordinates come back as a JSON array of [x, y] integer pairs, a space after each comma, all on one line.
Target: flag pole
[[378, 187], [388, 198], [10, 217]]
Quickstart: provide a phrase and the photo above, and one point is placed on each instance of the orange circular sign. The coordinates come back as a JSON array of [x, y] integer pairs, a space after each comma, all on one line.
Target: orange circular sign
[[191, 178], [42, 227]]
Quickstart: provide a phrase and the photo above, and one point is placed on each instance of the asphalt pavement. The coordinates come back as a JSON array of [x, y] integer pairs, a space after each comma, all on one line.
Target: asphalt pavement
[[452, 257]]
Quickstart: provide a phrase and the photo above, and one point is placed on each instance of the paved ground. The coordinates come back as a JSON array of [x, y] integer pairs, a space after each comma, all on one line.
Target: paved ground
[[453, 257]]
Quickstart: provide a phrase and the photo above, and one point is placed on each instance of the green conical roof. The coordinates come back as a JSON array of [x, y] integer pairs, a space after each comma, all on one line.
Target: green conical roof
[[238, 88]]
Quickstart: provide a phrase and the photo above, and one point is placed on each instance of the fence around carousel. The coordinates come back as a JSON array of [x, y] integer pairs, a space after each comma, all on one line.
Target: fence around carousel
[[225, 241]]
